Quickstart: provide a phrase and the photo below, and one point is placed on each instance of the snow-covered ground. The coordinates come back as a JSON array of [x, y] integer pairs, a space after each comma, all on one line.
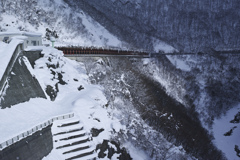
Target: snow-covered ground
[[221, 127], [88, 104], [180, 63], [160, 46]]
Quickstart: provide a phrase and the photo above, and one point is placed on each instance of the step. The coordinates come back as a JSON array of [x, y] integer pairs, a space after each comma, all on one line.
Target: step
[[61, 144], [68, 124], [72, 144], [66, 128], [79, 154], [69, 134], [88, 157], [77, 149], [69, 148], [66, 132], [64, 121], [72, 137]]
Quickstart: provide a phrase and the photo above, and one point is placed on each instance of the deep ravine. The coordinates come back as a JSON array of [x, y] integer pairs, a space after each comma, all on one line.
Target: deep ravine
[[139, 93]]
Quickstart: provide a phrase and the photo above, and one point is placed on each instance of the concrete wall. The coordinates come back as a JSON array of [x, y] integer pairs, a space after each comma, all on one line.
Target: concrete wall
[[21, 86], [33, 56], [16, 53], [34, 147]]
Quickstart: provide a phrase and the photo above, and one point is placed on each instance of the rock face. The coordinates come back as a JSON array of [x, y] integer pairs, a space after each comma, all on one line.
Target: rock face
[[190, 26]]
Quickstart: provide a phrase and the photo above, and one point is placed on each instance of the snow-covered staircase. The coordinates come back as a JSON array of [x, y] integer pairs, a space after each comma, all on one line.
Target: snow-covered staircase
[[72, 141]]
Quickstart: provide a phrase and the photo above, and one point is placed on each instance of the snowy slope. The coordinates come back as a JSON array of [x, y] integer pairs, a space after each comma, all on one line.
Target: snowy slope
[[90, 104], [218, 107], [69, 22], [87, 103], [73, 28], [227, 132]]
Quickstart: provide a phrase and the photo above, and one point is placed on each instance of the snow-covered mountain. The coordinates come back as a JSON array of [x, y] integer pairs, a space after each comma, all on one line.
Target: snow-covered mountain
[[168, 107], [187, 25], [57, 18], [64, 20]]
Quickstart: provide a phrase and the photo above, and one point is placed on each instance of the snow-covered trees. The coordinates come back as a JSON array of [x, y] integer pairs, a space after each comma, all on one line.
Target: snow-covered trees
[[188, 25], [155, 122]]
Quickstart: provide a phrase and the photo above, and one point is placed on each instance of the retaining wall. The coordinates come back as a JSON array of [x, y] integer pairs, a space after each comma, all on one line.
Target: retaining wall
[[21, 86], [33, 56], [15, 54], [33, 147], [18, 78], [33, 144]]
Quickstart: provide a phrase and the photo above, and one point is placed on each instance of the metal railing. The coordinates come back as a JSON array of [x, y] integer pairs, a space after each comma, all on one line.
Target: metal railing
[[33, 130], [91, 51]]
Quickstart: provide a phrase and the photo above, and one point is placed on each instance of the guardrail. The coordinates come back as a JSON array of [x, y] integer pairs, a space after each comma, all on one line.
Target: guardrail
[[33, 130]]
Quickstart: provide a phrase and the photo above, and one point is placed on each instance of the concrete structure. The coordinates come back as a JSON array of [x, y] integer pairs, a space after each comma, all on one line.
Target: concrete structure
[[33, 147], [22, 81], [30, 39]]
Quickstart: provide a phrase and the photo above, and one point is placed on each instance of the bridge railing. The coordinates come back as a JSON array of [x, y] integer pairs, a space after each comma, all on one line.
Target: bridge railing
[[103, 48], [33, 130], [98, 51]]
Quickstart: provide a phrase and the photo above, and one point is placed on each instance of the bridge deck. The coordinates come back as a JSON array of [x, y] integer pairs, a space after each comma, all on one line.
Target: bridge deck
[[105, 55], [100, 52]]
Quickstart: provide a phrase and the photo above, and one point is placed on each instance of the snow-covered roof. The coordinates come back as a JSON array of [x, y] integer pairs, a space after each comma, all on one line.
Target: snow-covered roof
[[20, 37], [29, 34]]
